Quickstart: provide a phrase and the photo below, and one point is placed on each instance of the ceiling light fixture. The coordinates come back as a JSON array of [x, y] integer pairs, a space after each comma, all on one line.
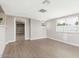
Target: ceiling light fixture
[[46, 2], [42, 10]]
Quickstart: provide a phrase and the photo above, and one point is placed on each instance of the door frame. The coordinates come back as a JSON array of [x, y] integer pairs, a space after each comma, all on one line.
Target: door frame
[[15, 29]]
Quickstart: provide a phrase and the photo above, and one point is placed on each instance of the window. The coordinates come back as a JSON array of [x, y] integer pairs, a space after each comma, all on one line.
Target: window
[[68, 24]]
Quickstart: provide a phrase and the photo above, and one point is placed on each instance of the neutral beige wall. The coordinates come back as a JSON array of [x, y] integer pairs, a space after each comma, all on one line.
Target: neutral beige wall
[[72, 38]]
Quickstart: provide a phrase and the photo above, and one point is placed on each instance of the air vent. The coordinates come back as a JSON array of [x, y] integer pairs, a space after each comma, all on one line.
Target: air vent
[[42, 10]]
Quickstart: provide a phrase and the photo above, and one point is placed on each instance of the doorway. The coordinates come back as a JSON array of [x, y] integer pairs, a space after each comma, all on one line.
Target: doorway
[[20, 31]]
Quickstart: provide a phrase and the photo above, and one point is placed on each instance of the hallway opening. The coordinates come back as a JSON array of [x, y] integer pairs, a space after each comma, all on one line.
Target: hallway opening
[[20, 31]]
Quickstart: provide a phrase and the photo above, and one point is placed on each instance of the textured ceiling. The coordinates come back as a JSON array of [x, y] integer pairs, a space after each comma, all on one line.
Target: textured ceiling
[[30, 8]]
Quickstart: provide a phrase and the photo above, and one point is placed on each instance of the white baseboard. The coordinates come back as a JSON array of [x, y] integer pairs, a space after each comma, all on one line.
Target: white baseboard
[[2, 48], [38, 38], [65, 42]]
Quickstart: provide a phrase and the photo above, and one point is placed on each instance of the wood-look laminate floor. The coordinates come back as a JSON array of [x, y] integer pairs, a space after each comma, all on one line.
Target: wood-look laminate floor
[[43, 48], [20, 36]]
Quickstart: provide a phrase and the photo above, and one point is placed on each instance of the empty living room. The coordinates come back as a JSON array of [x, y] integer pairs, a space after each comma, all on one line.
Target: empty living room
[[39, 28]]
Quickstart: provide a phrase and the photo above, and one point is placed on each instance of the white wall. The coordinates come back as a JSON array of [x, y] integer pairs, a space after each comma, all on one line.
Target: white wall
[[2, 39], [9, 29], [70, 38], [27, 29], [2, 35], [37, 31]]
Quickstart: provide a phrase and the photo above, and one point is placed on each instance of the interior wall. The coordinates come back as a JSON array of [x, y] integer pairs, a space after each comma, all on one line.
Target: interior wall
[[2, 39], [37, 31], [2, 34], [9, 29], [71, 38], [27, 29]]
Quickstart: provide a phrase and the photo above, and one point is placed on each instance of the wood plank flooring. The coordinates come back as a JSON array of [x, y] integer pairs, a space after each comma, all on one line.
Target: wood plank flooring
[[42, 48], [20, 36]]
